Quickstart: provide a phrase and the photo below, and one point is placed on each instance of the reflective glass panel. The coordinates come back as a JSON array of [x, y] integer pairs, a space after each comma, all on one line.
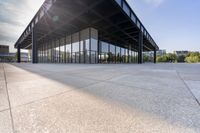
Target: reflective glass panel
[[68, 49], [122, 55], [126, 8], [75, 48], [118, 54], [57, 52], [94, 38], [112, 55], [62, 50]]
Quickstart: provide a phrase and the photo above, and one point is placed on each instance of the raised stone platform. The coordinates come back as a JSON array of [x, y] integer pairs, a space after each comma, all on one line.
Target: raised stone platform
[[150, 98]]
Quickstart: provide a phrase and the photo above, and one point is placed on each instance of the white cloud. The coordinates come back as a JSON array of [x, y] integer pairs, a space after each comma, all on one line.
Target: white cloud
[[14, 17]]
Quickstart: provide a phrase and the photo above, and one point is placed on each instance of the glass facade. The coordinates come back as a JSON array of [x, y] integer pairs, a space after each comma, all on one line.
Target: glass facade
[[84, 47]]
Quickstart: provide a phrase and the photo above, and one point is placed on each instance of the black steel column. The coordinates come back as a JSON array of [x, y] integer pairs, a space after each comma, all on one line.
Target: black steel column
[[154, 55], [18, 54], [140, 48], [34, 47]]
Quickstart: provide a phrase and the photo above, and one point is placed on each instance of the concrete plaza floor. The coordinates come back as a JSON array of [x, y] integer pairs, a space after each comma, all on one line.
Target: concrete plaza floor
[[122, 98]]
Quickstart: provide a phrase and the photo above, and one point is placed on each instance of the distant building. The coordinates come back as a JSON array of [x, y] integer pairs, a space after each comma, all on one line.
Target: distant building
[[161, 52], [5, 56], [4, 49], [180, 53]]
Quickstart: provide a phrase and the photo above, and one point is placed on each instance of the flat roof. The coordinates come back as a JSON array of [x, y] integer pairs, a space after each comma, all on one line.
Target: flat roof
[[114, 19]]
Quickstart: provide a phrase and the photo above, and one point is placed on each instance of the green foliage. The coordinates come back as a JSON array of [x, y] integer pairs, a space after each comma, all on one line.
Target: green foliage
[[167, 58], [7, 58], [193, 57], [146, 58], [181, 58]]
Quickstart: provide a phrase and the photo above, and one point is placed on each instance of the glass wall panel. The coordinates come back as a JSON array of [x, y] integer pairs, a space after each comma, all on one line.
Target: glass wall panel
[[42, 53], [136, 57], [68, 49], [39, 54], [94, 52], [94, 45], [104, 49], [118, 54], [94, 56], [75, 48], [84, 46], [57, 52], [53, 51], [130, 56], [49, 52], [62, 50], [87, 51], [94, 38], [45, 52], [82, 49], [133, 57], [126, 56], [112, 54], [122, 55]]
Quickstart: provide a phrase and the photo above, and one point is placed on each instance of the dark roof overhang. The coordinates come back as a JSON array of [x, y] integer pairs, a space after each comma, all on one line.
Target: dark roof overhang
[[116, 22]]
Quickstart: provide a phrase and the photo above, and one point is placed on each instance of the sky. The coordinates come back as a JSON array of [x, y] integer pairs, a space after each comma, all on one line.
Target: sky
[[174, 24]]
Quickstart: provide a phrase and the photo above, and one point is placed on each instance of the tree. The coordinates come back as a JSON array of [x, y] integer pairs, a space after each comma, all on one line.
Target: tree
[[146, 58], [193, 57], [181, 58], [171, 57]]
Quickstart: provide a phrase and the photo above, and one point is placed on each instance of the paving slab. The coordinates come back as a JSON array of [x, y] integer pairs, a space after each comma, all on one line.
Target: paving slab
[[4, 105], [195, 88], [78, 111], [29, 91], [2, 78], [176, 110], [5, 122]]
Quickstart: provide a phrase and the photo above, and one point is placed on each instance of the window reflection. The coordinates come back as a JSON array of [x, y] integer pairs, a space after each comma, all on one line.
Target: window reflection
[[122, 56], [68, 49], [104, 52], [62, 50], [112, 56], [75, 48], [118, 54]]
